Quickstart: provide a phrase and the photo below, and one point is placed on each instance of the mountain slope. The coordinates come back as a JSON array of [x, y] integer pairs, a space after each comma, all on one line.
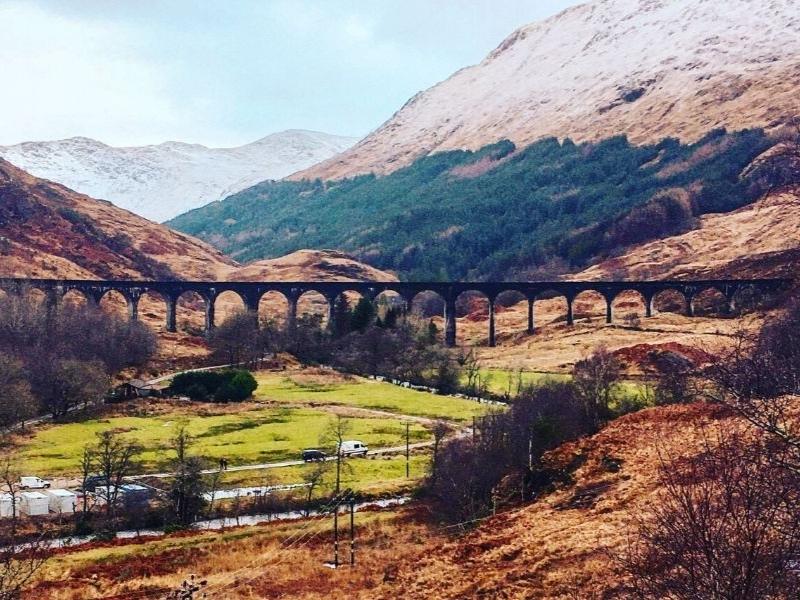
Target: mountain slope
[[49, 231], [645, 68], [759, 240], [501, 212], [159, 182], [564, 545], [310, 265]]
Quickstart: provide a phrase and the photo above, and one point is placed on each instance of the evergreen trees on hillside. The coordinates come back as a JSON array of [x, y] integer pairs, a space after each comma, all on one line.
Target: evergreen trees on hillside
[[499, 212]]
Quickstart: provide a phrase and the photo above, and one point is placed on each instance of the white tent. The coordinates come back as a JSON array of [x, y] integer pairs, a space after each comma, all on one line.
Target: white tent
[[62, 501], [34, 504], [6, 506]]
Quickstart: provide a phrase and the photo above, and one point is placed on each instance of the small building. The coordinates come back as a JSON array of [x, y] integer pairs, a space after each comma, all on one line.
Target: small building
[[129, 494], [62, 502], [133, 493], [130, 390], [7, 506], [34, 504]]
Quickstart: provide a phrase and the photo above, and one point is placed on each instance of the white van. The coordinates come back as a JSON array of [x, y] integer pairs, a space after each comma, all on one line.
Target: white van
[[33, 483], [353, 448]]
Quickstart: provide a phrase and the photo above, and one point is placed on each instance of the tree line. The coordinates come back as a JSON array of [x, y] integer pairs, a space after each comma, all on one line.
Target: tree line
[[551, 207], [55, 357], [360, 339]]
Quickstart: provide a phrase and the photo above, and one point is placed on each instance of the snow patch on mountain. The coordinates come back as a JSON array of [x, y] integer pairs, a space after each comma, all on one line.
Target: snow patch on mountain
[[648, 69], [162, 181]]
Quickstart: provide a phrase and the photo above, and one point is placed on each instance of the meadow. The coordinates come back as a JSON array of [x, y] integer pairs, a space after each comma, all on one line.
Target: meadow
[[502, 381], [317, 386], [372, 475], [289, 412], [257, 435]]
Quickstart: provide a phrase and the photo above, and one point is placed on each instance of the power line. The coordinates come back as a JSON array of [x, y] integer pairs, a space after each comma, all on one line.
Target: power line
[[296, 541]]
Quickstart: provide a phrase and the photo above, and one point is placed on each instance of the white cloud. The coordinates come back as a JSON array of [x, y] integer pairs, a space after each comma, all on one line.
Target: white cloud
[[62, 76], [230, 71]]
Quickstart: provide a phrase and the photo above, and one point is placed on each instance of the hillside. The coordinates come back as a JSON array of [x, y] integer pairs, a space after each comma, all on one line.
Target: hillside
[[310, 265], [649, 69], [760, 240], [49, 231], [562, 546], [164, 180], [500, 212], [555, 548]]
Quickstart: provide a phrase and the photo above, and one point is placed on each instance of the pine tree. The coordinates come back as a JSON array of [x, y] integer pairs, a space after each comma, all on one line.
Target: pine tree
[[341, 317], [363, 315]]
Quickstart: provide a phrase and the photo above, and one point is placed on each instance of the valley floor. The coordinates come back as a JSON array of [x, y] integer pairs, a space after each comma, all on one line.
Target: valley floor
[[555, 548]]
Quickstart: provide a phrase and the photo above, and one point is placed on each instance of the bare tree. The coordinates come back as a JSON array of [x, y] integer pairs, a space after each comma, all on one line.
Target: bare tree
[[314, 477], [471, 368], [724, 526], [116, 460], [17, 403], [186, 493], [596, 378], [236, 340], [335, 434], [439, 430], [66, 384], [87, 469], [760, 380], [19, 562]]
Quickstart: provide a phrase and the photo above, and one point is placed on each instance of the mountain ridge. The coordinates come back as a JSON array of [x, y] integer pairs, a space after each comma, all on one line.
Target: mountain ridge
[[159, 181], [597, 70], [51, 231]]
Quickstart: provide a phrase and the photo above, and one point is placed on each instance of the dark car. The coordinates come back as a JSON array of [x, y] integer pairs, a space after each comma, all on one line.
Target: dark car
[[95, 481], [311, 455]]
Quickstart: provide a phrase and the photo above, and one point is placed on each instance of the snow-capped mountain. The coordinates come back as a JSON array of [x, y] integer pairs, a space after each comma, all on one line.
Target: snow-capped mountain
[[161, 181], [646, 68]]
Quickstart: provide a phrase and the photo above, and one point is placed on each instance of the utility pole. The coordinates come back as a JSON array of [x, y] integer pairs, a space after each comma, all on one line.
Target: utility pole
[[338, 466], [408, 466], [530, 452], [352, 533], [336, 537]]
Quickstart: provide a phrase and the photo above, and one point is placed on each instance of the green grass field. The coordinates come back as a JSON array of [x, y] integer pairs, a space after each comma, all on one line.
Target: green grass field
[[386, 474], [250, 436], [501, 381], [260, 435], [365, 393]]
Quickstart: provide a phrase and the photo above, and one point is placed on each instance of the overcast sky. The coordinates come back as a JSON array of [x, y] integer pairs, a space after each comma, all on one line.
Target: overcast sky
[[227, 72]]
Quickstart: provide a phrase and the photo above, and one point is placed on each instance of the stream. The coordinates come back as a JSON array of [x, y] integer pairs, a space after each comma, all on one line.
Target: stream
[[214, 524]]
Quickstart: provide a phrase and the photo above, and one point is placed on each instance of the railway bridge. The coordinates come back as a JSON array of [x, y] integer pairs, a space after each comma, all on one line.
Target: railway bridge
[[449, 292]]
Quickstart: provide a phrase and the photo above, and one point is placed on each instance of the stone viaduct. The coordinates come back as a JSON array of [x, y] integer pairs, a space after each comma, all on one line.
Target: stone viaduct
[[251, 293]]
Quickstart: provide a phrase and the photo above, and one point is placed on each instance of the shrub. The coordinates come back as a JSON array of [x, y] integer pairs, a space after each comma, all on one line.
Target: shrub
[[230, 385], [466, 474], [725, 525]]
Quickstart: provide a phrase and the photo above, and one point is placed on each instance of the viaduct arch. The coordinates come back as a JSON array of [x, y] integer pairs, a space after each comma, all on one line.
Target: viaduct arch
[[251, 293]]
